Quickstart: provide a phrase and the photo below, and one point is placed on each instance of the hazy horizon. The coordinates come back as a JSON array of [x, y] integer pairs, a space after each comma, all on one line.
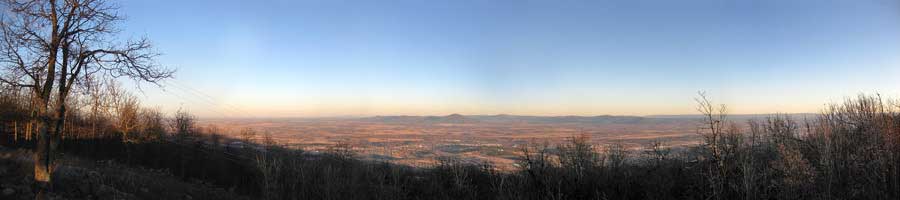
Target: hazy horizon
[[487, 115], [367, 58]]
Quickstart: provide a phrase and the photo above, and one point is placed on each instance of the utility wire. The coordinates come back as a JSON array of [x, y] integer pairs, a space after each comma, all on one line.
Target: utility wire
[[207, 98], [223, 115]]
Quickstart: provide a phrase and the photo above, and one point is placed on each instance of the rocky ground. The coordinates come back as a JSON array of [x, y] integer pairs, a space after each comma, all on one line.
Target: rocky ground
[[86, 179]]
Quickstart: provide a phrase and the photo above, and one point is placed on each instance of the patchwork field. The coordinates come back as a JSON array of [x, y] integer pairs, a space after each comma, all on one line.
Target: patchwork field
[[419, 141]]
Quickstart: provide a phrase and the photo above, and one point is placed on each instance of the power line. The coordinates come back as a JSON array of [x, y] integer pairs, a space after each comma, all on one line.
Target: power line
[[223, 115], [207, 98], [211, 105]]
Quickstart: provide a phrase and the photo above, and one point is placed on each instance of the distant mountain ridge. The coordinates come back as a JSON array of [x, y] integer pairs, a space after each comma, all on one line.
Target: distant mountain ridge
[[463, 119], [605, 119], [599, 119], [797, 116], [449, 119]]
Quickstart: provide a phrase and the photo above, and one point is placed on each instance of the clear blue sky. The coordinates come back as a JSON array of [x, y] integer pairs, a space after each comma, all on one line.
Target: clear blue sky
[[357, 58]]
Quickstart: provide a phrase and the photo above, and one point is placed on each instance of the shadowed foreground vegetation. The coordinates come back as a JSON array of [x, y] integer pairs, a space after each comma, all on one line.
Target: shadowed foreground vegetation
[[850, 151]]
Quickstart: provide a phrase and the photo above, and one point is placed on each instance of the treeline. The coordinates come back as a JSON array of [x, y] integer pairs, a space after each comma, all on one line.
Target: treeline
[[110, 124], [850, 151]]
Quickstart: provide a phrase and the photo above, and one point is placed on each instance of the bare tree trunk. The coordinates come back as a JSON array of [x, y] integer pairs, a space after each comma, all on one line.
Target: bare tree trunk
[[59, 127], [28, 131], [30, 126], [45, 146], [31, 121], [42, 153]]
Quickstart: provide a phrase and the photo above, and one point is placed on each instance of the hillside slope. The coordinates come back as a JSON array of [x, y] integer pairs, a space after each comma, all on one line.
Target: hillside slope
[[78, 178]]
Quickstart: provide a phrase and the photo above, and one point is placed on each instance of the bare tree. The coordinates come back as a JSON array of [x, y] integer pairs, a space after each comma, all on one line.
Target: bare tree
[[617, 155], [247, 134], [579, 155], [657, 151], [48, 45], [713, 132], [183, 125], [536, 162], [152, 124], [127, 110]]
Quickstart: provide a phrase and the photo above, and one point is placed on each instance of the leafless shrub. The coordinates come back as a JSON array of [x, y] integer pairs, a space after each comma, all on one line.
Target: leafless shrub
[[657, 151], [127, 119], [856, 147], [797, 175], [183, 125], [537, 164], [247, 134], [152, 124], [578, 155], [616, 155], [342, 149], [456, 169]]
